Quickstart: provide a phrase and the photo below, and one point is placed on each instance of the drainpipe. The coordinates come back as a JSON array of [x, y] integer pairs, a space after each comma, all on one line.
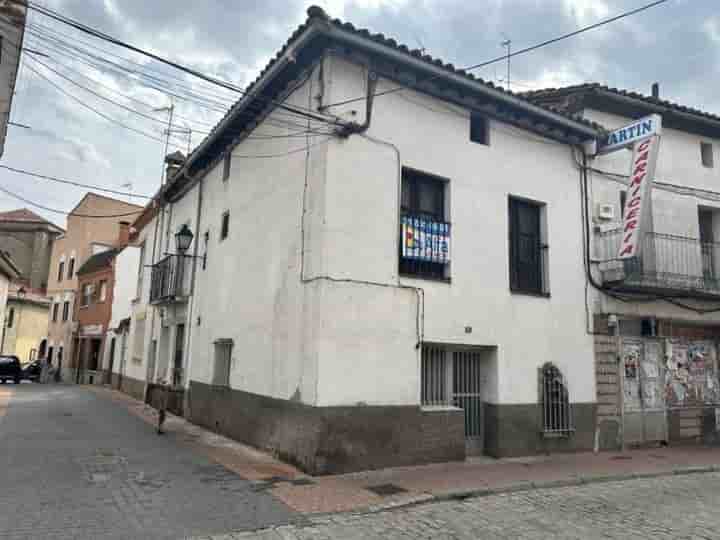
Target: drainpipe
[[355, 128]]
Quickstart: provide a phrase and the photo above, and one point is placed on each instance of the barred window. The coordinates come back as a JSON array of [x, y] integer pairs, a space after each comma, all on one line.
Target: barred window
[[555, 399], [434, 377]]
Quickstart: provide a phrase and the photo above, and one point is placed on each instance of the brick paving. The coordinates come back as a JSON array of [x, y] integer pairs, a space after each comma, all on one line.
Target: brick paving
[[75, 465], [666, 508]]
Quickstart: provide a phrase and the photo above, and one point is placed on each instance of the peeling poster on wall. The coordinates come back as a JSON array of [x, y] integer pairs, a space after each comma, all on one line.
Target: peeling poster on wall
[[691, 378]]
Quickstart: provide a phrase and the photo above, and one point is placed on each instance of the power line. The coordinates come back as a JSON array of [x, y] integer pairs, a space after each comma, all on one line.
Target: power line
[[506, 57], [72, 183], [99, 113], [63, 212], [307, 113]]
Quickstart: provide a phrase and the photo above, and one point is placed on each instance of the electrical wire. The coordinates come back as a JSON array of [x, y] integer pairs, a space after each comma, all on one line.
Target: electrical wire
[[300, 111], [63, 212], [72, 183], [90, 108], [516, 53]]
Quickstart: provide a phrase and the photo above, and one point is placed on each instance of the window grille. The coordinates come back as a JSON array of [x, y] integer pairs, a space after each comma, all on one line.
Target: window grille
[[66, 310], [223, 360], [434, 377], [61, 270], [71, 268], [557, 411], [11, 317], [56, 306], [423, 204]]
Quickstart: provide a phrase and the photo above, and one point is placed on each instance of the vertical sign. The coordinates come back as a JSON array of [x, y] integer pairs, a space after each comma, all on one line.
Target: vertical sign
[[637, 207]]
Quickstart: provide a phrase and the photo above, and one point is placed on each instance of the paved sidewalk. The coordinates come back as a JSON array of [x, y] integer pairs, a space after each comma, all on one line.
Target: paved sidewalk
[[446, 481]]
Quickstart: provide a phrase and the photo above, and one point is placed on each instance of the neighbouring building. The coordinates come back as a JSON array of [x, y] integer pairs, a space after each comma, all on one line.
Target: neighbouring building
[[8, 273], [395, 279], [124, 369], [26, 322], [29, 238], [13, 15], [659, 312], [93, 226]]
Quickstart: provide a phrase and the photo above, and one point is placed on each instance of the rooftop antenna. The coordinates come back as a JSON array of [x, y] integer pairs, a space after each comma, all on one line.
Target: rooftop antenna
[[507, 42]]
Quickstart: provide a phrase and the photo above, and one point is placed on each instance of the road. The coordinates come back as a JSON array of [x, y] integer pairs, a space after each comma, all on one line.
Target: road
[[76, 465], [667, 508]]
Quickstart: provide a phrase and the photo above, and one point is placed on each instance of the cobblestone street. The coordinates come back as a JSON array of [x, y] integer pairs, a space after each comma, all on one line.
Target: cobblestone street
[[75, 465], [661, 508]]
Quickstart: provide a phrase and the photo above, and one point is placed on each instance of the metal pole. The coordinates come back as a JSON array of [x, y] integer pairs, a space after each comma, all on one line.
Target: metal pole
[[621, 373]]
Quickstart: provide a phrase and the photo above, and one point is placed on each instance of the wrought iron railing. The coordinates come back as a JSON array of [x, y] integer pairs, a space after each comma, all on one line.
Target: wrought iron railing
[[666, 262], [169, 280], [424, 246]]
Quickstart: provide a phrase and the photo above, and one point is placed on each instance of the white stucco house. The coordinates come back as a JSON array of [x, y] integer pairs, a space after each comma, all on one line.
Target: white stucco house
[[661, 311], [384, 266]]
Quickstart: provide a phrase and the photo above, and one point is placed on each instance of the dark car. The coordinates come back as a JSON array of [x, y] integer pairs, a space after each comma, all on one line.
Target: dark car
[[10, 369], [32, 371]]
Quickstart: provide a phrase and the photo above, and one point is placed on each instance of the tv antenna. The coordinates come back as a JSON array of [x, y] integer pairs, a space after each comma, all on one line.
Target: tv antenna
[[507, 43]]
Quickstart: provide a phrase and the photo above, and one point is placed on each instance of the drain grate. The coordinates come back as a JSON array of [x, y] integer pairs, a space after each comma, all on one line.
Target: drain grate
[[386, 489], [303, 482]]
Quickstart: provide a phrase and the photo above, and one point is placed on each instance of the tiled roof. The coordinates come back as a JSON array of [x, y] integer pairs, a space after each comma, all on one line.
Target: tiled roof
[[597, 88], [317, 15], [98, 261], [23, 214]]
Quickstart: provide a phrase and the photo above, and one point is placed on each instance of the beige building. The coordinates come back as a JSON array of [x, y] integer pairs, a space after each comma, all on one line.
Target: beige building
[[29, 238], [88, 233], [26, 323], [13, 14]]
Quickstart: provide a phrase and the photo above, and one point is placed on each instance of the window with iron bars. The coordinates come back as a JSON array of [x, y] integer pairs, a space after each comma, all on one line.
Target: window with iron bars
[[528, 247], [423, 197], [555, 399]]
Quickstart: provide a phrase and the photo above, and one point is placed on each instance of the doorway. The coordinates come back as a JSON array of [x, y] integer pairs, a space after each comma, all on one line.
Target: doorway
[[177, 374], [111, 361]]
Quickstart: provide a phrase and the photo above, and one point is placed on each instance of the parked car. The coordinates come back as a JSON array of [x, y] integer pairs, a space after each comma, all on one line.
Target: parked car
[[10, 369], [32, 371]]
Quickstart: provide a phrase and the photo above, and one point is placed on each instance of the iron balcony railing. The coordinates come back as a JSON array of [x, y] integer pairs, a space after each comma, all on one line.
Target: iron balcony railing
[[666, 263], [170, 280]]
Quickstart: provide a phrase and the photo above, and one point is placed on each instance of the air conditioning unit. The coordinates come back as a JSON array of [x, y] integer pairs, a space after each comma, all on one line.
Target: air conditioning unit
[[606, 212]]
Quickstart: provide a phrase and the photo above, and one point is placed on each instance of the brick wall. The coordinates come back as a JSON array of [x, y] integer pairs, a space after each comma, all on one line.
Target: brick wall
[[607, 379]]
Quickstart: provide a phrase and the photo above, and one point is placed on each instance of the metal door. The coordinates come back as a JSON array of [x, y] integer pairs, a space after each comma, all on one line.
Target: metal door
[[643, 385], [466, 394]]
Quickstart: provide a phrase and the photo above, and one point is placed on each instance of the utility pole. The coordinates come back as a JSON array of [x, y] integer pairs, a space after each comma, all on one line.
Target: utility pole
[[507, 43]]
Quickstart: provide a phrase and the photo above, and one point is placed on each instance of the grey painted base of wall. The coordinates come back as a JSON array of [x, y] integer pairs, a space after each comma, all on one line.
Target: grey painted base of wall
[[330, 440], [515, 430]]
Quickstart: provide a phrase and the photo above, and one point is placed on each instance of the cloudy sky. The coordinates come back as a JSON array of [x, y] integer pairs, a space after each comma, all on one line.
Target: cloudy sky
[[677, 44]]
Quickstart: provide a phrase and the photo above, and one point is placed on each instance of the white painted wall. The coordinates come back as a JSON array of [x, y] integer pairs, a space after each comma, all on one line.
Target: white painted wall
[[368, 341], [250, 291], [326, 342], [679, 163], [124, 291]]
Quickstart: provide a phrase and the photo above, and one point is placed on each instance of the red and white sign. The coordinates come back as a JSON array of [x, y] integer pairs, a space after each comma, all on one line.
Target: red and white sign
[[637, 207]]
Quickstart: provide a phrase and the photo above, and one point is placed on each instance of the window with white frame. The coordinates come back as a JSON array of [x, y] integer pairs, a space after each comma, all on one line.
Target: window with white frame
[[223, 361], [87, 293]]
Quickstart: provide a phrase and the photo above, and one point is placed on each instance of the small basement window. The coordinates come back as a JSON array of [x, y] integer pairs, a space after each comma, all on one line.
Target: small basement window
[[706, 154], [479, 129]]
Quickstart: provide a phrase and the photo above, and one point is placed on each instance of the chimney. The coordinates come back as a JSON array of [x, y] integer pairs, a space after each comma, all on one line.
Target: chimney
[[123, 234], [656, 90], [174, 163]]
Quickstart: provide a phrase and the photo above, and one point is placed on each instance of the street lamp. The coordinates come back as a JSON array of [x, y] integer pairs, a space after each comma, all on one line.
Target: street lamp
[[183, 239]]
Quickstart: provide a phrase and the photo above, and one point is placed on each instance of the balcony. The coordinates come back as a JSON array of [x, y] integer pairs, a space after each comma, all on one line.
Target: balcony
[[170, 280], [424, 247], [667, 264]]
